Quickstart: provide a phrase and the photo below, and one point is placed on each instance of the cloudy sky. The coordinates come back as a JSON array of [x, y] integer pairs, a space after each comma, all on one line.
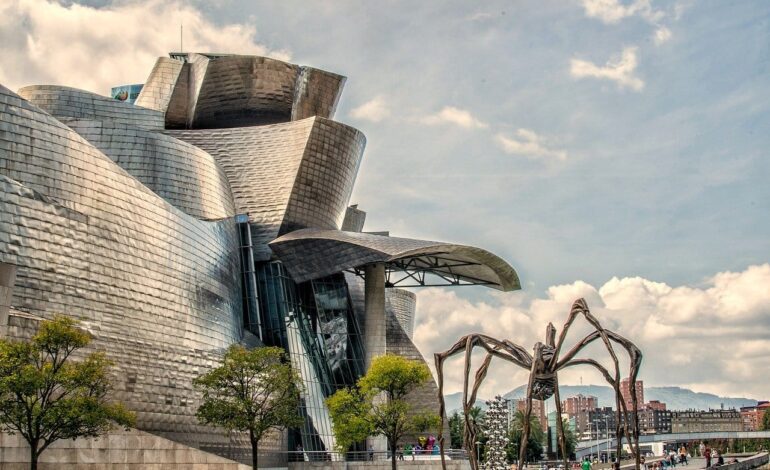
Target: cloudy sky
[[615, 150]]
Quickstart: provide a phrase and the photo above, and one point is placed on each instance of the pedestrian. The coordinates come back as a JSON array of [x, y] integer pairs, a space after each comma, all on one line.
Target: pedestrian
[[371, 453], [586, 465], [720, 459], [701, 449], [400, 452], [707, 454]]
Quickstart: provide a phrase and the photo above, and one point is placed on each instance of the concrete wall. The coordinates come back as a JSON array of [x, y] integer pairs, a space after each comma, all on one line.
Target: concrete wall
[[747, 464], [381, 464], [124, 450]]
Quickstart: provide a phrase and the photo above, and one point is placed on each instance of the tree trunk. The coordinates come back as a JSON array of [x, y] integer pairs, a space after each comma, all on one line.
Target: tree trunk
[[33, 455], [393, 455], [254, 450]]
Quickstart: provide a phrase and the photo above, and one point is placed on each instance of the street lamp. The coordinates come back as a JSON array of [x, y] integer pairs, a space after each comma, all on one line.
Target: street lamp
[[607, 431], [478, 452]]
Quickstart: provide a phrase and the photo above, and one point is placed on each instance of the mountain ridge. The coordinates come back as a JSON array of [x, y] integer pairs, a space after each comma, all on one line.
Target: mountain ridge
[[675, 398]]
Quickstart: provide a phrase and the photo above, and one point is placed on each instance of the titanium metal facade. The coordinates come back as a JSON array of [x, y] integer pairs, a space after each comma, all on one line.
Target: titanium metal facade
[[212, 212]]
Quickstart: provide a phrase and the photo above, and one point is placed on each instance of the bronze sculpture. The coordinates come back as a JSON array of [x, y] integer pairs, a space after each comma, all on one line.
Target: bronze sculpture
[[544, 366]]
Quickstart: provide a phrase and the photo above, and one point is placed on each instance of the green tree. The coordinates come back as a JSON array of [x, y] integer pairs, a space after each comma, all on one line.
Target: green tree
[[456, 431], [570, 440], [765, 425], [46, 395], [376, 406], [534, 443], [253, 390]]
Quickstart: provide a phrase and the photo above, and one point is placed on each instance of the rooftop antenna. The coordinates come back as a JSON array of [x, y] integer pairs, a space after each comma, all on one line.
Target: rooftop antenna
[[181, 40]]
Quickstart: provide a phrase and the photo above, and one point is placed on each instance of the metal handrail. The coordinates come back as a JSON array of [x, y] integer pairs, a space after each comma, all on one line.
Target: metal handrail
[[362, 456]]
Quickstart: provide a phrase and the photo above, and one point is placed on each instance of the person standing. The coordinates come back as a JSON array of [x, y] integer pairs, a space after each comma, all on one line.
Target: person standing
[[707, 454], [586, 465], [701, 449]]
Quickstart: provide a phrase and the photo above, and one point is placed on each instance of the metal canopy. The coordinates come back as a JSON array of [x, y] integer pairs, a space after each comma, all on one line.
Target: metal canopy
[[313, 253], [427, 271]]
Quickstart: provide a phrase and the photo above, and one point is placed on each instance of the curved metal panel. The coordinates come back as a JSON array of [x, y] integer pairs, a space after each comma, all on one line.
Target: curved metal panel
[[203, 91], [316, 93], [180, 173], [159, 86], [285, 176], [66, 102], [245, 91], [403, 304], [312, 253], [157, 288]]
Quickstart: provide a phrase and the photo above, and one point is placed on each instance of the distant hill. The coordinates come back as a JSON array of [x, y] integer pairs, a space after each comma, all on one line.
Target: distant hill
[[675, 398], [454, 401]]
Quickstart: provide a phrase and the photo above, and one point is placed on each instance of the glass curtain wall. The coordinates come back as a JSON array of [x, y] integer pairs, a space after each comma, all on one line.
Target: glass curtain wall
[[315, 323]]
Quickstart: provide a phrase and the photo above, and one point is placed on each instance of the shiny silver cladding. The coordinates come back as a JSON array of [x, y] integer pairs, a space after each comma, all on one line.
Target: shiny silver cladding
[[157, 288], [285, 176]]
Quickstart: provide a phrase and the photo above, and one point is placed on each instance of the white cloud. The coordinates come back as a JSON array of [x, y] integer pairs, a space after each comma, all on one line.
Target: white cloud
[[713, 338], [45, 42], [529, 144], [455, 116], [619, 70], [374, 110], [612, 11], [662, 35]]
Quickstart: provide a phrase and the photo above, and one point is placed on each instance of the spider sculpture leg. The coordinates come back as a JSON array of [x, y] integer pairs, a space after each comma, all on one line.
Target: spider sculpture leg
[[635, 356], [494, 348], [527, 416], [560, 426]]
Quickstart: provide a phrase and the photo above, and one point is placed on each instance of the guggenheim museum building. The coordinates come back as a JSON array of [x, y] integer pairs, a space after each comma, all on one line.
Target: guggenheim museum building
[[212, 210]]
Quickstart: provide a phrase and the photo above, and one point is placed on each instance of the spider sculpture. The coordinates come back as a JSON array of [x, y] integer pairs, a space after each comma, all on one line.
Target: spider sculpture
[[544, 366]]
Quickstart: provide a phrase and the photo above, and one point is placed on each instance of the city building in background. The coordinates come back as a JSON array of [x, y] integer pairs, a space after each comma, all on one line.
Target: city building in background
[[538, 410], [603, 422], [654, 421], [706, 421], [579, 407], [552, 434], [655, 405], [626, 392], [127, 93], [213, 211], [752, 415]]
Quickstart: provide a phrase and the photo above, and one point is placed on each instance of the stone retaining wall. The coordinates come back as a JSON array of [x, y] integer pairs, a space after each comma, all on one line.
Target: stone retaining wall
[[749, 463], [118, 450]]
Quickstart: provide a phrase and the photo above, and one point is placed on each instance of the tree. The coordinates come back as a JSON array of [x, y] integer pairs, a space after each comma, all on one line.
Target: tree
[[46, 395], [253, 390], [765, 425], [534, 442], [456, 431], [570, 441], [376, 406]]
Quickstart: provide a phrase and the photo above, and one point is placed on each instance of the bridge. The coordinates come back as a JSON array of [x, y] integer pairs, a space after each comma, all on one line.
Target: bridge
[[585, 448]]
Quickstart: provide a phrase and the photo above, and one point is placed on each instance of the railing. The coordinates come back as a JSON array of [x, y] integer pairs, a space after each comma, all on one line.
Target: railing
[[363, 456]]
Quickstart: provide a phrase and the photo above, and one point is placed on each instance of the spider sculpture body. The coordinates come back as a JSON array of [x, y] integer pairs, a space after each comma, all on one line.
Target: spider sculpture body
[[544, 365]]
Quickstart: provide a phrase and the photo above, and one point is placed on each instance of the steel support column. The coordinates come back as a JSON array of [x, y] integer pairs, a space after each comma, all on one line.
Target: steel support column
[[374, 326]]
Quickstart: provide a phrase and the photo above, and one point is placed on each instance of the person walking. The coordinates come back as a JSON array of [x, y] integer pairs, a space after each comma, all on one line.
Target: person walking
[[586, 465], [707, 454], [701, 449]]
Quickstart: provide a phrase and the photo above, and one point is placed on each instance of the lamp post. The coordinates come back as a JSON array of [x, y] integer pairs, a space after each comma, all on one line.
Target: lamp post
[[607, 431], [478, 452]]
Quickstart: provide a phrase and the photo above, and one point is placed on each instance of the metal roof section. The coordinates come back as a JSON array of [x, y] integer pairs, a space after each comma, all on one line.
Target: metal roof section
[[312, 253]]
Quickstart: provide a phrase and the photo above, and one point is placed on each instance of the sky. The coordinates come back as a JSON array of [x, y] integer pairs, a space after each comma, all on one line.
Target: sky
[[614, 150]]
